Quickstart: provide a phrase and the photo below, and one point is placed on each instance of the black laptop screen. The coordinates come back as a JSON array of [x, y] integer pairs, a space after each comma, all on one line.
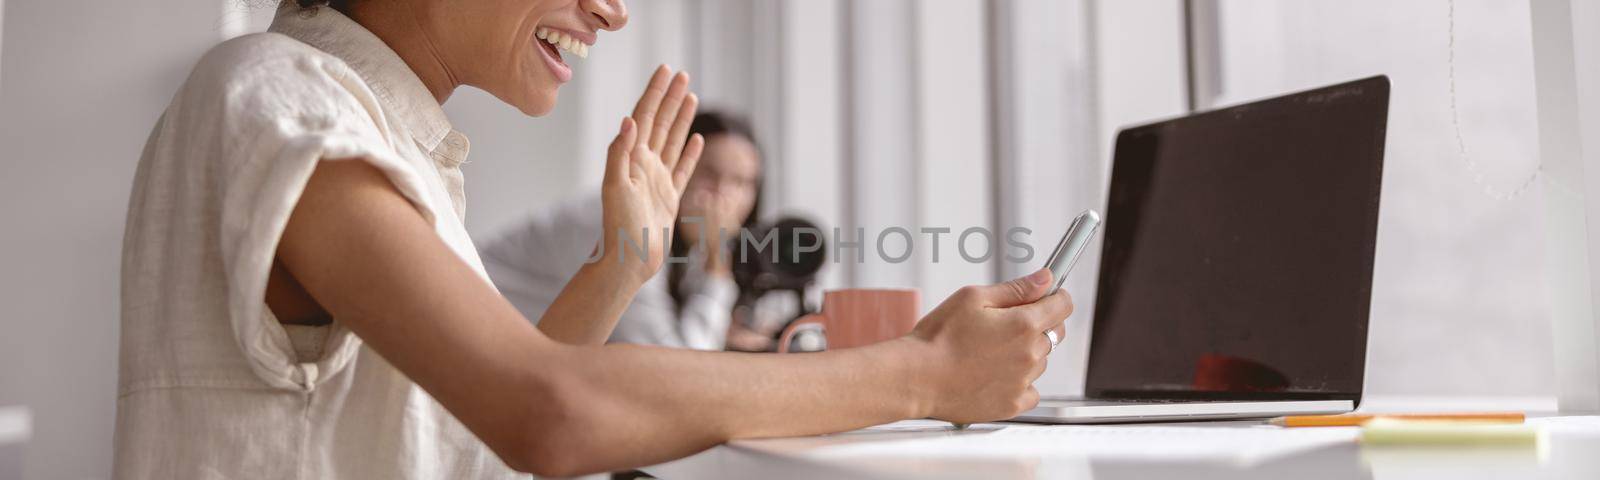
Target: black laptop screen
[[1238, 250]]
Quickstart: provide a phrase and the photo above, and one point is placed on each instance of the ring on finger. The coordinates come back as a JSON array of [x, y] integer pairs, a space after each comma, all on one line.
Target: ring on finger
[[1054, 339]]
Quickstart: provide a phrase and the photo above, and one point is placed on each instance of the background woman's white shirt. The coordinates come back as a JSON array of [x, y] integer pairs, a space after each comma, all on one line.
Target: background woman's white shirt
[[211, 384], [532, 261]]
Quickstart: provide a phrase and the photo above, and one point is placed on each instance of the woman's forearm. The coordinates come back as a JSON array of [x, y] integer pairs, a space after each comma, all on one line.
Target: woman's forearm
[[645, 405], [556, 409], [589, 305]]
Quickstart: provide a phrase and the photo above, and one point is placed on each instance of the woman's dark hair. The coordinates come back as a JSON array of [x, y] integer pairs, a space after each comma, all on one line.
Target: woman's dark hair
[[710, 124]]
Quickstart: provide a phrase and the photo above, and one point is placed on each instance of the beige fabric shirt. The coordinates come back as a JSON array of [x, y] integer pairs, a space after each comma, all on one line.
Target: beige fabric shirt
[[211, 385]]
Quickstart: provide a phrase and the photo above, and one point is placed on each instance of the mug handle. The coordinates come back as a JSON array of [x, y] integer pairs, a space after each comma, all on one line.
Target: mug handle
[[808, 322]]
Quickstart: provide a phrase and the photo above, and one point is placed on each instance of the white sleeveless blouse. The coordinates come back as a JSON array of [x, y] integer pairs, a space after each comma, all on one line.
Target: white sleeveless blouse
[[211, 385]]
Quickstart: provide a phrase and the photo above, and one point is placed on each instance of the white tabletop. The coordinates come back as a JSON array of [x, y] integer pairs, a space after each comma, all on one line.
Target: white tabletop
[[925, 449]]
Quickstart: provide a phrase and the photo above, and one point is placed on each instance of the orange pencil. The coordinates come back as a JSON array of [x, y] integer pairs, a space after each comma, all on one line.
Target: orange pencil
[[1353, 419]]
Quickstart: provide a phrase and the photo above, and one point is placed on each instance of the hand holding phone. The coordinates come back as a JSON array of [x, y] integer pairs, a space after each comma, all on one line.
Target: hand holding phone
[[1061, 262], [1071, 246]]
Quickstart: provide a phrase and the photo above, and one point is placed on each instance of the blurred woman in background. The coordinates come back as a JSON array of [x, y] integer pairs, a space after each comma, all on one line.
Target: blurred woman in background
[[689, 304]]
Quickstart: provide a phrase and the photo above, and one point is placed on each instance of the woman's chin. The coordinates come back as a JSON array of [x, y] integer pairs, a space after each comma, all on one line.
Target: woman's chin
[[537, 106], [533, 101]]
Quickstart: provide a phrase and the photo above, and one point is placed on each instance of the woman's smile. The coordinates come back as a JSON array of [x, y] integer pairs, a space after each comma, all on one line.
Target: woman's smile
[[552, 42]]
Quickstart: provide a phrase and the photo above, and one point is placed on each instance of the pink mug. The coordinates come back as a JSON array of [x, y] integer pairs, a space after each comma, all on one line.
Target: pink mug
[[857, 317]]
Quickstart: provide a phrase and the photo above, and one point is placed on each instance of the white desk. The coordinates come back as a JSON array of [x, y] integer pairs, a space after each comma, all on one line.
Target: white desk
[[1569, 454]]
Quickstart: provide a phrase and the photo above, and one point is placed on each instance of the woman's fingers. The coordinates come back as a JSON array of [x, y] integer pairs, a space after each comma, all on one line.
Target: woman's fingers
[[617, 153], [1037, 369], [667, 113], [644, 113], [1016, 292], [660, 125], [679, 133], [1046, 313], [685, 166]]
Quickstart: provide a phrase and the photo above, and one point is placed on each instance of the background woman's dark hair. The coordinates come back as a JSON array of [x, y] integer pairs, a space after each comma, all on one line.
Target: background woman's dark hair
[[711, 124]]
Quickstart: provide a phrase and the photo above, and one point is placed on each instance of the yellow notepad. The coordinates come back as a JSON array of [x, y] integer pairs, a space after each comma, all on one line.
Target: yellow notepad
[[1386, 431]]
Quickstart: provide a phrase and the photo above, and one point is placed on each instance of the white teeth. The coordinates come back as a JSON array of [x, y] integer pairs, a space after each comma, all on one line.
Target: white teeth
[[563, 41]]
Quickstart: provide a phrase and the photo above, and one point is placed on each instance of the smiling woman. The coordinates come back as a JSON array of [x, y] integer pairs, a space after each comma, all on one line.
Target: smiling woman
[[301, 298]]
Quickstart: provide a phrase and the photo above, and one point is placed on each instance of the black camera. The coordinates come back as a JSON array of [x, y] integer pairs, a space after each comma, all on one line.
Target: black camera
[[782, 256]]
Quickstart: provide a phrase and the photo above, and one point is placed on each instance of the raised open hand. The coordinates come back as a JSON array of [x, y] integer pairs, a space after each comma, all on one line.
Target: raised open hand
[[647, 166]]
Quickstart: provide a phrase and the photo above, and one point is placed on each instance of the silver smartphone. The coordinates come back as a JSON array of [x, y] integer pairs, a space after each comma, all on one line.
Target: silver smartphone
[[1072, 244]]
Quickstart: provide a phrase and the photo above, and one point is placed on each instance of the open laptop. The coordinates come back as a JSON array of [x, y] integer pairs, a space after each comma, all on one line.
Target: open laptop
[[1236, 273]]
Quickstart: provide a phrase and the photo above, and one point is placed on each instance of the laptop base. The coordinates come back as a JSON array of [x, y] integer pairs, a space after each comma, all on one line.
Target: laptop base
[[1098, 411]]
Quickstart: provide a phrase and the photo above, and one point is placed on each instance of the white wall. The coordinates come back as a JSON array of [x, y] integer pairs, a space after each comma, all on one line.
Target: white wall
[[808, 171], [870, 118], [81, 84], [518, 163], [954, 173], [1460, 303], [1139, 66], [1564, 43], [1069, 74], [881, 165]]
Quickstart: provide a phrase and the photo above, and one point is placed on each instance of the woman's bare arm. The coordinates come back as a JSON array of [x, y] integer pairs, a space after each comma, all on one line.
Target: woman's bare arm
[[550, 408]]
